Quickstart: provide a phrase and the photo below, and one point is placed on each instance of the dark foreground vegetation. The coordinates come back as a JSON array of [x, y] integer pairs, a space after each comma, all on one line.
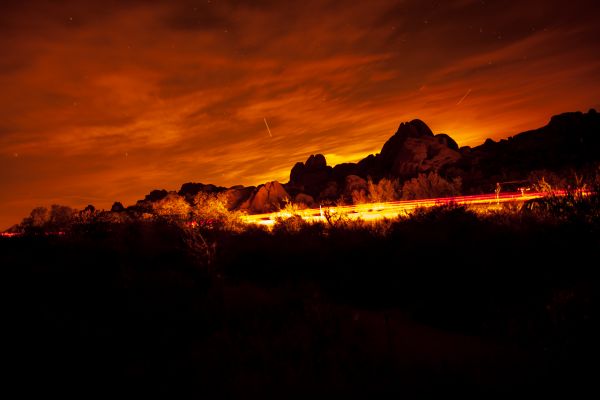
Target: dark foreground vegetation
[[446, 299]]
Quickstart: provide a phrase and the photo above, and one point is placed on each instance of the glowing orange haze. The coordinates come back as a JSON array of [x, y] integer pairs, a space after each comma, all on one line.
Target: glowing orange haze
[[106, 101]]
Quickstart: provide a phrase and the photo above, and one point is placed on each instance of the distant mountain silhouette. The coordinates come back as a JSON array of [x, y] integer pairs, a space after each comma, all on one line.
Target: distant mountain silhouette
[[569, 141]]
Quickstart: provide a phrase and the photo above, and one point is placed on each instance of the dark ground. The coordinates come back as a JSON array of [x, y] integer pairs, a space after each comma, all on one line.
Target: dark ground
[[440, 303]]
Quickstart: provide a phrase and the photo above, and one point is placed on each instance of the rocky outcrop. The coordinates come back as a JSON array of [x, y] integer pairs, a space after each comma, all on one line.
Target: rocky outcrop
[[237, 195], [415, 129], [191, 189], [420, 155], [413, 149], [267, 198], [330, 191], [304, 199], [447, 141], [312, 176], [316, 162], [570, 140], [341, 171]]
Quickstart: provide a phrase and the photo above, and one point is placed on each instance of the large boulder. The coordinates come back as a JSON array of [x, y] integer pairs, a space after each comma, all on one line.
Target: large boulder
[[371, 166], [315, 162], [415, 129], [191, 189], [341, 171], [312, 176], [422, 155], [237, 195], [297, 172], [268, 198], [411, 150], [447, 141], [330, 191], [304, 199], [415, 149]]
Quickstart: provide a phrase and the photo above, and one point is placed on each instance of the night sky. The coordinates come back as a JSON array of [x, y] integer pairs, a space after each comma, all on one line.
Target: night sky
[[104, 101]]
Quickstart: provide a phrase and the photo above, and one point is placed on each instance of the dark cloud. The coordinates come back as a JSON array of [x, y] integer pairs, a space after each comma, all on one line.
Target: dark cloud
[[203, 16]]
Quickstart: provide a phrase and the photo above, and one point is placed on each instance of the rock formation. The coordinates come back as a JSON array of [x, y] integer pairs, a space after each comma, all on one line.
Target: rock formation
[[268, 197]]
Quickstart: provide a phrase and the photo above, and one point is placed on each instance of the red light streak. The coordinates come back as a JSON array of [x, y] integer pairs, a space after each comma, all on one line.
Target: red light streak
[[374, 211]]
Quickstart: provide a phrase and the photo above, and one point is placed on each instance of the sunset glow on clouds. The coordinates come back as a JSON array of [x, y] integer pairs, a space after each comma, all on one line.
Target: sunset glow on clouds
[[105, 101]]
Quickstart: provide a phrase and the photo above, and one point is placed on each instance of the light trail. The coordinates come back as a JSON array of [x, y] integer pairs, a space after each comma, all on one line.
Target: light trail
[[9, 234], [267, 125], [392, 209], [18, 234], [464, 97]]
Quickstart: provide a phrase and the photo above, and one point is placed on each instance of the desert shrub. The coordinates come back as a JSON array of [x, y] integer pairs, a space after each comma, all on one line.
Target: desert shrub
[[289, 225], [360, 196], [574, 206], [58, 218], [384, 190], [430, 186], [172, 207], [378, 228], [86, 215], [210, 210], [541, 185], [546, 181], [335, 218], [111, 217], [291, 208], [450, 214], [289, 219]]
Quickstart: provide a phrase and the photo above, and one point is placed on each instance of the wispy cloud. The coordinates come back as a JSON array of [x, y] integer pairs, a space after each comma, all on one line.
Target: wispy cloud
[[183, 88]]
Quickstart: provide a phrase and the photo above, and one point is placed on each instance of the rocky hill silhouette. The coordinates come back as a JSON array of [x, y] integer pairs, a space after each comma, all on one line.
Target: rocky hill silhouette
[[569, 141]]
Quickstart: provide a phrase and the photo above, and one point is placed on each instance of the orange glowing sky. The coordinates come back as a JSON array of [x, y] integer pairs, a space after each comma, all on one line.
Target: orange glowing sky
[[104, 101]]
